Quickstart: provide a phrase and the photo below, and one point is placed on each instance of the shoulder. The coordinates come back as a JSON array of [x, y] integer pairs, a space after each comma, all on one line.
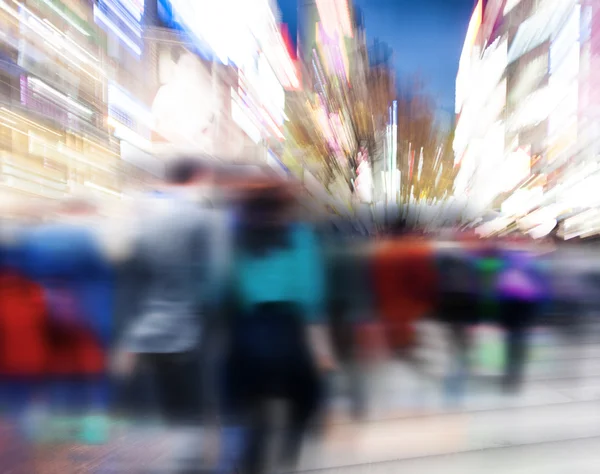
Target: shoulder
[[303, 232]]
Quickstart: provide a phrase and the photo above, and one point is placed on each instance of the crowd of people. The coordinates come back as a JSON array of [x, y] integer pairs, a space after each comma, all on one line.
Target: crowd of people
[[220, 293]]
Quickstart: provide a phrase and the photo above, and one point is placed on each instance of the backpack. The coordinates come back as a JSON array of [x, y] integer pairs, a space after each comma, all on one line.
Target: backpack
[[518, 281]]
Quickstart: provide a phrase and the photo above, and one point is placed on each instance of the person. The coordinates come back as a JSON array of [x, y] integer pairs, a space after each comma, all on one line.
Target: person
[[276, 339], [457, 307], [69, 258], [521, 289], [176, 254], [348, 305]]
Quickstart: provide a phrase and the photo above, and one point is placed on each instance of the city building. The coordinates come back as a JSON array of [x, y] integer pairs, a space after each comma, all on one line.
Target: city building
[[525, 111]]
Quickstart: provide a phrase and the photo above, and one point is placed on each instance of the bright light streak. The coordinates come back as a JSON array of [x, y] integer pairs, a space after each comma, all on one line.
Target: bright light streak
[[6, 119], [335, 15], [118, 98], [91, 142], [99, 15], [510, 4], [63, 55], [65, 17], [125, 133], [136, 8], [55, 39], [67, 152], [473, 30], [464, 65], [42, 85], [13, 128], [102, 189], [30, 122], [65, 37], [46, 34], [241, 117], [136, 28], [267, 117]]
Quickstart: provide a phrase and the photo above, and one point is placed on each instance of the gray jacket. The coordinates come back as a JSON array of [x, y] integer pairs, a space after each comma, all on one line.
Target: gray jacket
[[179, 254]]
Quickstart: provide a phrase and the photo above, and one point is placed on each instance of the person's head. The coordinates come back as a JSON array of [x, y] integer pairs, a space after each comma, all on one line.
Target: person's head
[[186, 171], [269, 203]]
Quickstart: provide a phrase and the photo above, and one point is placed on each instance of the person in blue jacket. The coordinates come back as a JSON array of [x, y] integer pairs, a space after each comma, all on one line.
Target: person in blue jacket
[[66, 256]]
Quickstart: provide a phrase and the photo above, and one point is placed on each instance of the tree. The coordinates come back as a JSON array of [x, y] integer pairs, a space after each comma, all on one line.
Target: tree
[[425, 156]]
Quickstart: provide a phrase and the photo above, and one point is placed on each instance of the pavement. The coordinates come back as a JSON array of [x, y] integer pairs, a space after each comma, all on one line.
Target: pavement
[[552, 426]]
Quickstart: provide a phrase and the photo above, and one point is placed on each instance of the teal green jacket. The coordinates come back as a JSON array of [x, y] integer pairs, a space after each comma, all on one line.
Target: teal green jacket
[[295, 274]]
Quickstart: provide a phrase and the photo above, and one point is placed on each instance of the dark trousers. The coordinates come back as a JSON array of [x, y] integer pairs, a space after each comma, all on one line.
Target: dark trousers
[[516, 318], [459, 311], [342, 331], [269, 358], [175, 382]]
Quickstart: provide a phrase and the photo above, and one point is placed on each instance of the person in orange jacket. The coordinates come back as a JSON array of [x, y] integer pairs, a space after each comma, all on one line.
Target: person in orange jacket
[[404, 277]]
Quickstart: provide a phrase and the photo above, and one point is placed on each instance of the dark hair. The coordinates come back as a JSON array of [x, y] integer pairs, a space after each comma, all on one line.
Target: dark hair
[[185, 170], [258, 235]]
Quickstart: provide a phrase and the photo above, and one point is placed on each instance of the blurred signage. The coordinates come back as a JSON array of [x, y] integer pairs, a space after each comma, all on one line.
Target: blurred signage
[[260, 99], [516, 168], [227, 30], [464, 65], [509, 6], [126, 110], [332, 46], [186, 107], [363, 183], [335, 15], [565, 40], [43, 98]]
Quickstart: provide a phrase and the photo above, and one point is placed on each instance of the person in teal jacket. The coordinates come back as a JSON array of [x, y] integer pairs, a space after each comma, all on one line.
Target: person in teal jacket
[[278, 279]]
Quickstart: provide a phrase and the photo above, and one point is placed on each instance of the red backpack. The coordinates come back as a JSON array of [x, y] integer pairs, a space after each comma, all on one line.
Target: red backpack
[[24, 349]]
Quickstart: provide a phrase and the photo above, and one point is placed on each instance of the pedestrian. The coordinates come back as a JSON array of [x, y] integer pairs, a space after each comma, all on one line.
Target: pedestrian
[[177, 254], [521, 290], [277, 339]]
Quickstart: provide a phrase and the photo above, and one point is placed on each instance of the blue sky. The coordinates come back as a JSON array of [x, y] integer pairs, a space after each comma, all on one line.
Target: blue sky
[[426, 35]]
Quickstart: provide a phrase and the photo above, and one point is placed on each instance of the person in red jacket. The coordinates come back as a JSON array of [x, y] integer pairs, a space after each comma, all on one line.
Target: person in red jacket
[[405, 287]]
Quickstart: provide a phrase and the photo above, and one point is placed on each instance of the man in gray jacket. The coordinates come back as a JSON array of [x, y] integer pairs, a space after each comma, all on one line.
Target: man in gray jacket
[[179, 252]]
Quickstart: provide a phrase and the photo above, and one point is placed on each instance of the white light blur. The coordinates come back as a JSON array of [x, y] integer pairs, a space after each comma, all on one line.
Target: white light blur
[[522, 201], [102, 189], [37, 83], [543, 230], [4, 124], [20, 117], [515, 169], [224, 26], [65, 17], [135, 28], [242, 118], [99, 15], [70, 153], [124, 133], [335, 15], [73, 43], [54, 41], [510, 5], [120, 99], [135, 7]]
